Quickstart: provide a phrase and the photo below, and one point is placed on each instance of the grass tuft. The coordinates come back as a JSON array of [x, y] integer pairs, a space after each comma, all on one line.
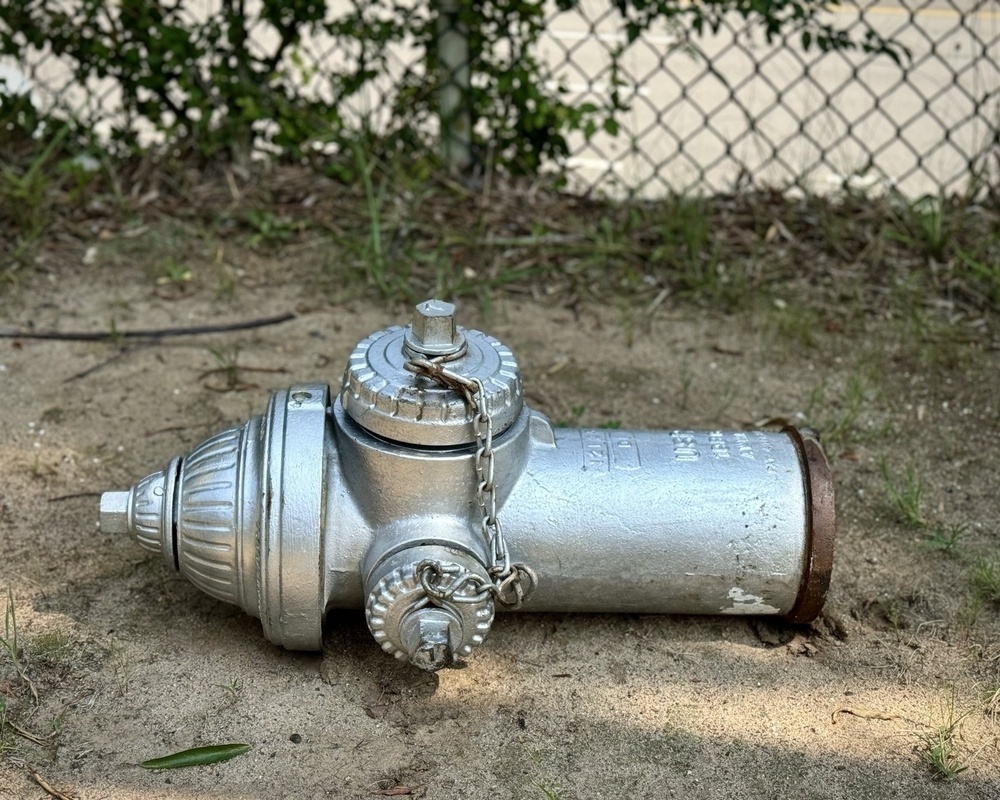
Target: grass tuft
[[940, 747], [986, 580], [946, 538], [26, 195], [550, 791], [906, 493], [9, 640]]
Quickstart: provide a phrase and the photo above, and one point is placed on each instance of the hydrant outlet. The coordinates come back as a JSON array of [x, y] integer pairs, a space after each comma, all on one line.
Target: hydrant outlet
[[425, 606]]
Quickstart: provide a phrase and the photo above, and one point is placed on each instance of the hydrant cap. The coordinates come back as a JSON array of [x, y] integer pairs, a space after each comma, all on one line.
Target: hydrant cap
[[381, 395]]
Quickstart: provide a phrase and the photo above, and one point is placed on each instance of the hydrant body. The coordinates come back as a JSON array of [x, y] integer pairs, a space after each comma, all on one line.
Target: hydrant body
[[391, 497]]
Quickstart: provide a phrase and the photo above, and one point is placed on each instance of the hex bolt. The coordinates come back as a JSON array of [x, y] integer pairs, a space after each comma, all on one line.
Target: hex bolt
[[428, 636], [432, 331], [114, 512]]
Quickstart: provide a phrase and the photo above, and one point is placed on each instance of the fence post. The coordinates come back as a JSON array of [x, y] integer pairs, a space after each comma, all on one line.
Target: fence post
[[453, 96]]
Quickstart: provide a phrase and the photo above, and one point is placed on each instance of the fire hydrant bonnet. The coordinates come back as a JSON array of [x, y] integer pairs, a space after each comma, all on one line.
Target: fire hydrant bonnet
[[385, 398]]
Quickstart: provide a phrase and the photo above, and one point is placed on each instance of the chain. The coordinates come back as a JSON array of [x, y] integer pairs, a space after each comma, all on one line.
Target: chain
[[511, 584]]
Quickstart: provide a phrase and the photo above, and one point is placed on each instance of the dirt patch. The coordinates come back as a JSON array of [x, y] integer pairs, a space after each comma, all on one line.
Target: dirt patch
[[130, 662]]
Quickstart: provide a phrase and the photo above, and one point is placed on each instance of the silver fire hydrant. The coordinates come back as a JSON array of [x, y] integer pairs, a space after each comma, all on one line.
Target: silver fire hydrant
[[427, 493]]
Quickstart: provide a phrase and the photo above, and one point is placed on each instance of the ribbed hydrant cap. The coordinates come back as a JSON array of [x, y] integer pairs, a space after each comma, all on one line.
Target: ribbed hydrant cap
[[380, 394], [188, 514]]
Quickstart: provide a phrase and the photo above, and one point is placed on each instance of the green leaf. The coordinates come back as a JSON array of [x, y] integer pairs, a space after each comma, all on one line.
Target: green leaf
[[197, 756]]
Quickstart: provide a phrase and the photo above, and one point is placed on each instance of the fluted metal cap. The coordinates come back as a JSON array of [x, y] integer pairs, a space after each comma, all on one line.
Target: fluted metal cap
[[208, 525], [380, 394], [188, 514], [429, 636]]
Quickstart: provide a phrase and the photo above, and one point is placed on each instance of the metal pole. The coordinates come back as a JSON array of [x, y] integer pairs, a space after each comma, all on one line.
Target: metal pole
[[453, 98]]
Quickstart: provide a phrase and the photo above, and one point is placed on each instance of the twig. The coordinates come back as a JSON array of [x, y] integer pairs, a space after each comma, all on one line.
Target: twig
[[46, 786], [175, 428], [862, 713], [236, 387], [73, 496], [31, 737], [125, 351], [217, 370], [151, 333]]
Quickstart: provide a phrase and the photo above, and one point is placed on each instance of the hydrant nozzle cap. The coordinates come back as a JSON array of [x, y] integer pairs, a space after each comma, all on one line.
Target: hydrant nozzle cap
[[430, 637]]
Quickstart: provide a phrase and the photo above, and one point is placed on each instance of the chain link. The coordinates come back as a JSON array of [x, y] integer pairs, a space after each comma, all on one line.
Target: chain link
[[511, 584]]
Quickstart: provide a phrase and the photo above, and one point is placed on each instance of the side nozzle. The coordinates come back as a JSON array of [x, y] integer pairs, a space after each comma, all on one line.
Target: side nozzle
[[145, 512], [429, 633]]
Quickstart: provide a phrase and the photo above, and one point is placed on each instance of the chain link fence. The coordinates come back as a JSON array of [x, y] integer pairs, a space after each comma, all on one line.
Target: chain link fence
[[725, 111], [717, 112]]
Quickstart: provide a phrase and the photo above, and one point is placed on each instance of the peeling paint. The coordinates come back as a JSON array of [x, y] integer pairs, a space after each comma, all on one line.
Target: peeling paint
[[746, 603]]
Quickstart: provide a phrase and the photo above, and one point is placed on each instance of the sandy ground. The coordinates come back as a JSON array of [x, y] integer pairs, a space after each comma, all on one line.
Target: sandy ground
[[131, 662]]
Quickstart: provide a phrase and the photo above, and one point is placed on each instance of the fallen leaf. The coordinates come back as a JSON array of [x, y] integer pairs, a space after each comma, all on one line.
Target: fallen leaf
[[197, 756]]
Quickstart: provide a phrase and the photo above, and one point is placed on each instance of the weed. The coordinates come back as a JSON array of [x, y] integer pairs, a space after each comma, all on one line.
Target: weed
[[842, 426], [946, 538], [81, 171], [893, 612], [968, 614], [373, 204], [226, 288], [58, 721], [229, 365], [611, 425], [725, 396], [576, 412], [24, 196], [52, 646], [986, 580], [115, 336], [687, 379], [550, 791], [685, 247], [9, 638], [268, 229], [940, 753], [940, 749], [984, 271], [932, 224], [8, 742], [121, 666], [928, 226], [10, 643], [991, 704], [905, 493], [794, 323], [232, 690], [173, 273]]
